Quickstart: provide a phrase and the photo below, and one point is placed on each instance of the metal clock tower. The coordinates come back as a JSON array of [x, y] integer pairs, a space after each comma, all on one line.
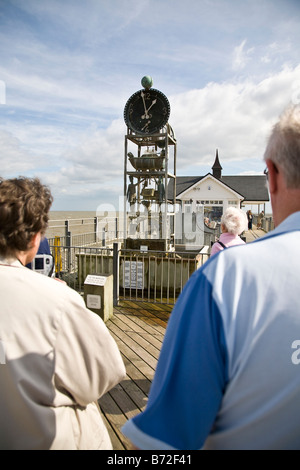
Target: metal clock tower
[[149, 165]]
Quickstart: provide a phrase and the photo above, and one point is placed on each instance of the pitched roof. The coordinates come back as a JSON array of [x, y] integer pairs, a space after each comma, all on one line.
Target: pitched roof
[[251, 187]]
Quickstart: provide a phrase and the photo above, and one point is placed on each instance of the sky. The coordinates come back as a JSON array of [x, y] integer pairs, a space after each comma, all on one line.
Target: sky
[[68, 67]]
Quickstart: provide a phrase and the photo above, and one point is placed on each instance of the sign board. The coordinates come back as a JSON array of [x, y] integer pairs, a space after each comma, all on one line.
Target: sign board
[[95, 280], [93, 301], [133, 274]]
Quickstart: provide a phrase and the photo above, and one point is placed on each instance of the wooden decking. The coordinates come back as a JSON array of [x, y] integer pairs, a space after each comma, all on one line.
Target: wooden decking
[[138, 328]]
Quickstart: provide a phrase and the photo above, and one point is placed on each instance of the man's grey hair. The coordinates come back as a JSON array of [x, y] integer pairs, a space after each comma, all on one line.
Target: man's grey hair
[[283, 147], [235, 220]]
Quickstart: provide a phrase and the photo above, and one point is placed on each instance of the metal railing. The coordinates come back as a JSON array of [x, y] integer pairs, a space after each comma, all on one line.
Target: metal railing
[[152, 276], [267, 223], [148, 277], [85, 231]]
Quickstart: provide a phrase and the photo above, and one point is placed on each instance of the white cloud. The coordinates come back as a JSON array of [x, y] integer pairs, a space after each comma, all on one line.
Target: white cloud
[[241, 56], [236, 118], [15, 160]]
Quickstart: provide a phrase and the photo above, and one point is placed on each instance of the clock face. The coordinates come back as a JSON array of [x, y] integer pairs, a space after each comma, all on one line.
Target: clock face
[[147, 111]]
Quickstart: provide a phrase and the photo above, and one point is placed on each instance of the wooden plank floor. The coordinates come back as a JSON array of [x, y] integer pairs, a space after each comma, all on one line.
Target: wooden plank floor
[[138, 328]]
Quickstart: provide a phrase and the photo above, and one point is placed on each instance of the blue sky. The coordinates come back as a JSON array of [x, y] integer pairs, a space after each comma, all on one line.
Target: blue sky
[[228, 68]]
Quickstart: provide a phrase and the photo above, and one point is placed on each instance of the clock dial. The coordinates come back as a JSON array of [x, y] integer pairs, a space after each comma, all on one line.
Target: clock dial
[[147, 111]]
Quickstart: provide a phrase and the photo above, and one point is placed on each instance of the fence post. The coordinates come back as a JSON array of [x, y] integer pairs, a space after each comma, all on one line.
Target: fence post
[[68, 243], [95, 228], [116, 259], [57, 256]]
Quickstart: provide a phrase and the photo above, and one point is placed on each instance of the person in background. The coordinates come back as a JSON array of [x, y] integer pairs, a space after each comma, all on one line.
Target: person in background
[[250, 219], [228, 375], [57, 357], [233, 223], [259, 219], [44, 249]]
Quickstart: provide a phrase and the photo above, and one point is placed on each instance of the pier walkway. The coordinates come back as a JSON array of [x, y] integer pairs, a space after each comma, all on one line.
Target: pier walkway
[[253, 234], [138, 328]]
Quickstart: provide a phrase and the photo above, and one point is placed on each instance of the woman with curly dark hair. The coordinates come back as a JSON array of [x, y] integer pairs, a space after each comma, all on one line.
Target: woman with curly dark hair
[[24, 215]]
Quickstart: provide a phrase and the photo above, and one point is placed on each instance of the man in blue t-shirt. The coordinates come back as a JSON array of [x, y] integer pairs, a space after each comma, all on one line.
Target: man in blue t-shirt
[[228, 375]]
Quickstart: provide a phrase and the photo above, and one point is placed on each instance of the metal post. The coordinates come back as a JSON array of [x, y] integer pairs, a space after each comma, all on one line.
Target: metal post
[[95, 228], [67, 233], [125, 191], [116, 259], [68, 244]]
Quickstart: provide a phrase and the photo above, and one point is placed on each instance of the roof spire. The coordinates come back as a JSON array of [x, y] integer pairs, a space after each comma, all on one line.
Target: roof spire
[[216, 168]]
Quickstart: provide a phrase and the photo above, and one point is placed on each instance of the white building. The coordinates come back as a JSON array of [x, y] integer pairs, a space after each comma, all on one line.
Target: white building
[[214, 192], [207, 197]]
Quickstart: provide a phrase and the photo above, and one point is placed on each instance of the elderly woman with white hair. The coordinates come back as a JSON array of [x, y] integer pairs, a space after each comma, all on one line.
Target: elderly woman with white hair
[[233, 223]]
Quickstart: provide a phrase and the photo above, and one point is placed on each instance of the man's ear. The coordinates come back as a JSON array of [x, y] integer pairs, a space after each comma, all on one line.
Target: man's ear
[[35, 241], [272, 176]]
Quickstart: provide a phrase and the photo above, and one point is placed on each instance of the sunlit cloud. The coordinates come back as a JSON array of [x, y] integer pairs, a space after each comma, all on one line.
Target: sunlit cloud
[[241, 56]]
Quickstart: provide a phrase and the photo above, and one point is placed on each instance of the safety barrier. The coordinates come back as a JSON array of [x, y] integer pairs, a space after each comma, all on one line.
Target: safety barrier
[[151, 276]]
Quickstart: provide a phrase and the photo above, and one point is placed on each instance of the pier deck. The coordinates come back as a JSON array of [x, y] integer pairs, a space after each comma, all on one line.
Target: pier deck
[[138, 328], [254, 234]]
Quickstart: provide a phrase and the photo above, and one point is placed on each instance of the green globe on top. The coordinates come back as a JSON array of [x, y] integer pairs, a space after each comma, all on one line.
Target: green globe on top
[[147, 82], [147, 111]]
